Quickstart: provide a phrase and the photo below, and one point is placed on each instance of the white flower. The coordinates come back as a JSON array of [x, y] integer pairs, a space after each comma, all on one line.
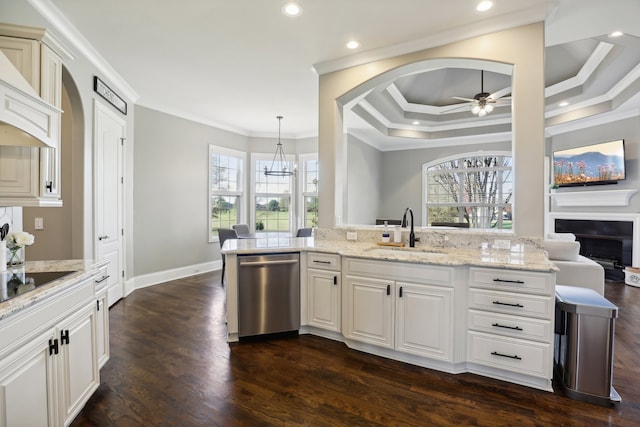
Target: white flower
[[19, 239]]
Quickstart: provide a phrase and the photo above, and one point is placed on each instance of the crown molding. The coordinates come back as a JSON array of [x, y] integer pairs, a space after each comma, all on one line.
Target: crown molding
[[72, 35]]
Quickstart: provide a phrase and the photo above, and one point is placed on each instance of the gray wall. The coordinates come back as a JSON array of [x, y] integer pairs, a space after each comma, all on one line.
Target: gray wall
[[364, 182], [170, 196], [627, 129]]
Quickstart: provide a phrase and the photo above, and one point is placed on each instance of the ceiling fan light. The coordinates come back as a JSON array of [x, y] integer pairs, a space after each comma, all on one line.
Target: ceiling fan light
[[488, 108], [482, 112], [475, 109]]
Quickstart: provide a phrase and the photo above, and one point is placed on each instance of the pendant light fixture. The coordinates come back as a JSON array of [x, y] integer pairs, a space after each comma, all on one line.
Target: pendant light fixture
[[279, 165]]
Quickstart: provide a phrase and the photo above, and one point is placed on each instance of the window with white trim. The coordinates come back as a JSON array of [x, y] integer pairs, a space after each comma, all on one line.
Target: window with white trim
[[226, 189], [471, 188], [309, 185], [272, 208]]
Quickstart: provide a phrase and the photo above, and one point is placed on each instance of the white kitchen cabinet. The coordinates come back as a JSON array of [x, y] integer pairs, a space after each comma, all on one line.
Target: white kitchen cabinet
[[102, 318], [510, 325], [41, 66], [49, 358], [424, 316], [368, 310], [27, 386], [385, 309], [323, 291], [78, 375]]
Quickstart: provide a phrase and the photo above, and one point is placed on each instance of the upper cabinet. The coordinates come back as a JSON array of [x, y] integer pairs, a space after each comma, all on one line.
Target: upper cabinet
[[30, 176]]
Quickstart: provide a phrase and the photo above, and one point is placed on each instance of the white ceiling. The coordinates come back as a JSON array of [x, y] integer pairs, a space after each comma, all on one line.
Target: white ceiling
[[238, 64]]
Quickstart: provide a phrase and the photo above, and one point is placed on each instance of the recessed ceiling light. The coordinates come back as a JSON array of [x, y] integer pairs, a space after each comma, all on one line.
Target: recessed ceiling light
[[484, 5], [415, 123], [563, 104], [616, 34], [292, 9], [353, 44]]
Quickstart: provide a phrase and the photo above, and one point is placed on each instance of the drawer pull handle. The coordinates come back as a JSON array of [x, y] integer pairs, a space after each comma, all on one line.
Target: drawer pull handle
[[508, 304], [495, 353], [519, 282], [515, 328], [321, 262], [102, 279]]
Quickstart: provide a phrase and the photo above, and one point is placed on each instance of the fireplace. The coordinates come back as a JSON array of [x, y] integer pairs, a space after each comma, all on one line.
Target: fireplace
[[608, 242]]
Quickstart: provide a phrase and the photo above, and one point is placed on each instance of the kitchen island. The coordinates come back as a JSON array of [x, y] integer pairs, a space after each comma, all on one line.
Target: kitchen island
[[458, 302], [54, 337]]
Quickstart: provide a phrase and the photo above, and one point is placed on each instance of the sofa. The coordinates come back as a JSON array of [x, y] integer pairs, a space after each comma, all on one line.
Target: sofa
[[573, 269]]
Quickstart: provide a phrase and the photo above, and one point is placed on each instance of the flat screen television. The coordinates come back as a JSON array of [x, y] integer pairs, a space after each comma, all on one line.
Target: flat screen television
[[589, 165]]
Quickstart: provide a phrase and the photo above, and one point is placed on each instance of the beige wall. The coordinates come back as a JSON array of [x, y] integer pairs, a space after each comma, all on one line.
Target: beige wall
[[522, 47]]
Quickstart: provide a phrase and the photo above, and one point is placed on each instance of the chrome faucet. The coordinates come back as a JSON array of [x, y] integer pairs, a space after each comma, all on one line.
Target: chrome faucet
[[412, 235]]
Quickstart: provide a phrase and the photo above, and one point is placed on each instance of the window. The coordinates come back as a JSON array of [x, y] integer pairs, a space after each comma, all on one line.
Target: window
[[272, 209], [309, 185], [473, 188], [226, 184]]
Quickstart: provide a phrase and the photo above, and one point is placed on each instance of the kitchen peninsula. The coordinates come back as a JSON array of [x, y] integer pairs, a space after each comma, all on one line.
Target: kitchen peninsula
[[460, 301], [54, 338]]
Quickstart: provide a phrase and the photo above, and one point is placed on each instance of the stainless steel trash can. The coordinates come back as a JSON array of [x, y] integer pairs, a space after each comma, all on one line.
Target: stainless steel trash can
[[584, 338]]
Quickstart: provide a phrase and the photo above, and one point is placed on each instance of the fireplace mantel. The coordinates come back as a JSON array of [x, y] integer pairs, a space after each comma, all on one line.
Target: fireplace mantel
[[592, 198]]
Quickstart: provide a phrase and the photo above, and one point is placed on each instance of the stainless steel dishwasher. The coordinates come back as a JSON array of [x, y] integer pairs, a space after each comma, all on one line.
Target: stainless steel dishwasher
[[268, 293]]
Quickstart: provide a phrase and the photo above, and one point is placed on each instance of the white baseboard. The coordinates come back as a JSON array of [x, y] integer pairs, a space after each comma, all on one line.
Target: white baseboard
[[158, 277]]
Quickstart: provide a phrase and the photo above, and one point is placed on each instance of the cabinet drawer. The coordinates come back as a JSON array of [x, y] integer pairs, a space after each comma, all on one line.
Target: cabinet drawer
[[512, 280], [323, 261], [521, 356], [512, 303], [416, 273], [508, 325]]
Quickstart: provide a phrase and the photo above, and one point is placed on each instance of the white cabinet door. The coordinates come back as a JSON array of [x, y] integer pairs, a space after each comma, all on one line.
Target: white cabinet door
[[424, 320], [18, 172], [368, 310], [323, 299], [27, 380], [102, 327], [109, 132], [78, 363]]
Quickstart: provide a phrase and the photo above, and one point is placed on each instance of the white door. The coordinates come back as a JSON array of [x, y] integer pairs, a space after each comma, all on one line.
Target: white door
[[109, 132]]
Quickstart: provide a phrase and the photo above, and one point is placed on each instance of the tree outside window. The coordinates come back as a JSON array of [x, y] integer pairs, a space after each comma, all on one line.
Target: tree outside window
[[473, 188], [272, 199], [309, 189], [226, 183]]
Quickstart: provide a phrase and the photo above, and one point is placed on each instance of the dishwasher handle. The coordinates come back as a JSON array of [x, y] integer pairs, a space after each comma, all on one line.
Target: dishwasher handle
[[261, 263]]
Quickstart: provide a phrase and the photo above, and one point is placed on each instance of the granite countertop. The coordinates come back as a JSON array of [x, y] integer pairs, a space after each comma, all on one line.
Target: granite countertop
[[517, 257], [81, 270]]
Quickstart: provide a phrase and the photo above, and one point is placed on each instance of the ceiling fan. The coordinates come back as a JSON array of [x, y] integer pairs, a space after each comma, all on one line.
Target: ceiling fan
[[482, 103]]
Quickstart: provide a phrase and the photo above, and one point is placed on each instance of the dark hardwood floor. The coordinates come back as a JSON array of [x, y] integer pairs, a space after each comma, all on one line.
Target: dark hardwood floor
[[171, 366]]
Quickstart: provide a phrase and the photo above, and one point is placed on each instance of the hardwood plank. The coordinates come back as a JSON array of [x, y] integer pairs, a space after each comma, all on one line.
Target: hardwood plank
[[171, 365]]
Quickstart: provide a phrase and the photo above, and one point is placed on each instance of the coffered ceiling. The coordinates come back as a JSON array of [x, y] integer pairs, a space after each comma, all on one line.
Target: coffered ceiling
[[238, 64], [583, 79]]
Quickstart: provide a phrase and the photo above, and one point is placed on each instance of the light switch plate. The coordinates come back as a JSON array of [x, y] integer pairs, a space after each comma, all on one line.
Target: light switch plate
[[39, 224], [352, 235]]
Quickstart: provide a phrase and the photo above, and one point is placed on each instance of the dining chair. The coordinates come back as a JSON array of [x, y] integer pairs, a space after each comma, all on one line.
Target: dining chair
[[304, 232], [225, 234], [241, 229]]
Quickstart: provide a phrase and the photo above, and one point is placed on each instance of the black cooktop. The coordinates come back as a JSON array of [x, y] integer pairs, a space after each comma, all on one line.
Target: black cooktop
[[16, 282]]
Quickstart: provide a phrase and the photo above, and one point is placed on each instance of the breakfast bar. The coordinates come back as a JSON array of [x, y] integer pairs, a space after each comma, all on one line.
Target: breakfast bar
[[457, 302]]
